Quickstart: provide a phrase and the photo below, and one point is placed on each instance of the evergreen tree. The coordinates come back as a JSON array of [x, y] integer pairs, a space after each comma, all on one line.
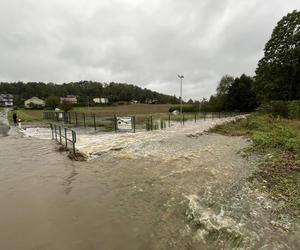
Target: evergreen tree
[[241, 95], [278, 72]]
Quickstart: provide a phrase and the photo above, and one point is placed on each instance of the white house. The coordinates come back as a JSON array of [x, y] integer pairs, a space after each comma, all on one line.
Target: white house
[[34, 101], [102, 100], [6, 100]]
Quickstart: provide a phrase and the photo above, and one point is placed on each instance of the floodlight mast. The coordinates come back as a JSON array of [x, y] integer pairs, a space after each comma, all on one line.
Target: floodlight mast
[[181, 79]]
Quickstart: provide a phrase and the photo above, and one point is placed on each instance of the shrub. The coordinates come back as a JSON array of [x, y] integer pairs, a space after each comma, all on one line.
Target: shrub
[[52, 102], [286, 109], [280, 108], [66, 106], [294, 109]]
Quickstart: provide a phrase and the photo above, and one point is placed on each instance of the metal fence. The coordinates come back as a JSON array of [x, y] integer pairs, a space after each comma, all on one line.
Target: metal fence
[[131, 123], [63, 136]]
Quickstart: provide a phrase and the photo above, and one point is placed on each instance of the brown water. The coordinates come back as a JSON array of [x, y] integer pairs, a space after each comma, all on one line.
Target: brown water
[[119, 202]]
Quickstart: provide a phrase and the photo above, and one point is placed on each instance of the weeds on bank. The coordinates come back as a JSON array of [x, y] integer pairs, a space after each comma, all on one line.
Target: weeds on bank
[[278, 140]]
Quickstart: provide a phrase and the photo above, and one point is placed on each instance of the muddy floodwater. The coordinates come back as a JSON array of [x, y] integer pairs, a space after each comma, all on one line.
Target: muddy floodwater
[[189, 192]]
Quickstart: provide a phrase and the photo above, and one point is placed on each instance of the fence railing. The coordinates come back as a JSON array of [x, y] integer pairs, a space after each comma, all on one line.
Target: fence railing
[[63, 136], [131, 123]]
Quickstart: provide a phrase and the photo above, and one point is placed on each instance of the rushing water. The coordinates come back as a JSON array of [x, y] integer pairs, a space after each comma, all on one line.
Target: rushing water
[[191, 196]]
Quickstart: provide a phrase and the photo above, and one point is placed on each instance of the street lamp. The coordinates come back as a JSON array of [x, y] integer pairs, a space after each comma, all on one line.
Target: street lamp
[[181, 78]]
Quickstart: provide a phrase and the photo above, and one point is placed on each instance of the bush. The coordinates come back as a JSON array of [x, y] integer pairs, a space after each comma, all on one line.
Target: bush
[[286, 109], [52, 102], [294, 109], [66, 106], [280, 108]]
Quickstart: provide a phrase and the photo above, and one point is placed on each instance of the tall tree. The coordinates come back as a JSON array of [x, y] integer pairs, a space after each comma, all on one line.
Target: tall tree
[[241, 95], [222, 92], [52, 102], [278, 72], [224, 85]]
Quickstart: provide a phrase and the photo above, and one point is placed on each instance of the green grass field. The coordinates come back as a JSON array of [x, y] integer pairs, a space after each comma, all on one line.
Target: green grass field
[[29, 115]]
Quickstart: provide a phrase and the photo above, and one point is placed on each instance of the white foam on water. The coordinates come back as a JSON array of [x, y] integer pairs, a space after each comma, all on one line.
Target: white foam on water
[[134, 145], [41, 133]]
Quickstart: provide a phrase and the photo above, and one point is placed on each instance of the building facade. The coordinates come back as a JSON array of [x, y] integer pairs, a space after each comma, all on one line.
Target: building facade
[[34, 101], [69, 98], [6, 100], [102, 100]]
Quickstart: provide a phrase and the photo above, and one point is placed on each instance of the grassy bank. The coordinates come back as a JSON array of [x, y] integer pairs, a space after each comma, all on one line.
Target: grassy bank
[[27, 115], [278, 141]]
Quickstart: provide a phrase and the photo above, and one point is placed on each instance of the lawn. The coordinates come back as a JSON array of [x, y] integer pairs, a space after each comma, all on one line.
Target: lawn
[[29, 115]]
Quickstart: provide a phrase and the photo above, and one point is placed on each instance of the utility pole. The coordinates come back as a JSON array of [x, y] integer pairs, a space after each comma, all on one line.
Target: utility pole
[[181, 78]]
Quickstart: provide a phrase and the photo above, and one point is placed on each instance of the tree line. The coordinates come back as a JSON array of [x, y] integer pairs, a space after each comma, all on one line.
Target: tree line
[[85, 90]]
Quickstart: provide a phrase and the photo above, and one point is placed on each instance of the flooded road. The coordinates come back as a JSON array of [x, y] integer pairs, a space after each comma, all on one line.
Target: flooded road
[[187, 197]]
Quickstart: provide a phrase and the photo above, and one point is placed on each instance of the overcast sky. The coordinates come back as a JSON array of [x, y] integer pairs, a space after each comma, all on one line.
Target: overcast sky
[[144, 42]]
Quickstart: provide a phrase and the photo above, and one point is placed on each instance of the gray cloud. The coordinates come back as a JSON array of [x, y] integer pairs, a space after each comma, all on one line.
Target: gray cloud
[[136, 41]]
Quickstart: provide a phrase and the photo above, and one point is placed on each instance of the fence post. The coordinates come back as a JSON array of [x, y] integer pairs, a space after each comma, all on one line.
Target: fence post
[[147, 123], [84, 119], [76, 121], [195, 117], [55, 132], [204, 116], [133, 123], [94, 120], [59, 128], [70, 118], [151, 122], [182, 119], [51, 126], [116, 123], [169, 120], [66, 137], [73, 140]]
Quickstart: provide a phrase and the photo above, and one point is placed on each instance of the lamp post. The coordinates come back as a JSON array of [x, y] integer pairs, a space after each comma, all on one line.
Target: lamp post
[[181, 78]]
